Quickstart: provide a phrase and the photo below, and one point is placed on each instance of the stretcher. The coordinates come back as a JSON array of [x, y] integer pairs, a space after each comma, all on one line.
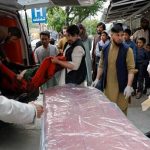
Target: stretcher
[[82, 118]]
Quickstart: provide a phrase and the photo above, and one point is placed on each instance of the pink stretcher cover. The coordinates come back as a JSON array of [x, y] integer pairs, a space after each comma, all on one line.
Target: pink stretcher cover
[[79, 118]]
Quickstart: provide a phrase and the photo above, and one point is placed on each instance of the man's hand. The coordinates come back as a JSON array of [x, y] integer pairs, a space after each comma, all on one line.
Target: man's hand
[[55, 60], [95, 83], [128, 91], [39, 109], [21, 75]]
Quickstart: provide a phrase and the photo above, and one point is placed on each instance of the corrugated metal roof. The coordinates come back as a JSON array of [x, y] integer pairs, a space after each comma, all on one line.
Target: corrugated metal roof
[[122, 9], [41, 3]]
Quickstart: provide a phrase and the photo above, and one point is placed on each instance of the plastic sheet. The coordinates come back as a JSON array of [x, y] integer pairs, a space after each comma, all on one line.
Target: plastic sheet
[[79, 118]]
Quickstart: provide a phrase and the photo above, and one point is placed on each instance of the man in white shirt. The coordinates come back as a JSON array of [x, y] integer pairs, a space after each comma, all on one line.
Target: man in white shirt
[[143, 32], [12, 111], [75, 67], [44, 51]]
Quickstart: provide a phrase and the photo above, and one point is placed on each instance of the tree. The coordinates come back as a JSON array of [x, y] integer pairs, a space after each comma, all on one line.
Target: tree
[[56, 18], [79, 14], [90, 26]]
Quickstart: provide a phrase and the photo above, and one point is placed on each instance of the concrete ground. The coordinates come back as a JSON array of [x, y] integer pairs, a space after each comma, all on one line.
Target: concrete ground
[[27, 137], [141, 119]]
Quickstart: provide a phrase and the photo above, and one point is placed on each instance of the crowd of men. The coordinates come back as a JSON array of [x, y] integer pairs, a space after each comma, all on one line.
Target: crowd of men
[[118, 65]]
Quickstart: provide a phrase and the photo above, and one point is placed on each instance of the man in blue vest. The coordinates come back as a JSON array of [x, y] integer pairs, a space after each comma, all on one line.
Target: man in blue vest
[[116, 69]]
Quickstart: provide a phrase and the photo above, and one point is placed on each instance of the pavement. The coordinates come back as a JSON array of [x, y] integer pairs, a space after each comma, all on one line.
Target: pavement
[[27, 137], [141, 119]]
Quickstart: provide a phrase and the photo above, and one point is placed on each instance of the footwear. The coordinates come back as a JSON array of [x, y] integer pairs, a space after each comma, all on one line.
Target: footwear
[[138, 95], [144, 91], [133, 93]]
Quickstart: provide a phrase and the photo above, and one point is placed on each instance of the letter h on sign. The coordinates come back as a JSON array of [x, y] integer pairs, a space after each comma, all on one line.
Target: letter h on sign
[[38, 15]]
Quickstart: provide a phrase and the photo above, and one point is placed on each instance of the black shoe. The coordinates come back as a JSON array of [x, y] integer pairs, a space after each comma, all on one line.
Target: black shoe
[[133, 93], [144, 91], [138, 95]]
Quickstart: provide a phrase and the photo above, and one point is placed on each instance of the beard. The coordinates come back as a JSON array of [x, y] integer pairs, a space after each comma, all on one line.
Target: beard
[[118, 44], [99, 32]]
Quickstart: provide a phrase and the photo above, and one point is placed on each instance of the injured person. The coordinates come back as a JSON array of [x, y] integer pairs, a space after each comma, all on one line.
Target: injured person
[[28, 81]]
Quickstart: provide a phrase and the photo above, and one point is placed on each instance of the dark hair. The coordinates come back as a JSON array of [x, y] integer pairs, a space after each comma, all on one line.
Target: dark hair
[[52, 41], [15, 31], [65, 27], [104, 32], [80, 26], [102, 24], [148, 44], [73, 30], [47, 33], [117, 28], [142, 39], [128, 31], [143, 19]]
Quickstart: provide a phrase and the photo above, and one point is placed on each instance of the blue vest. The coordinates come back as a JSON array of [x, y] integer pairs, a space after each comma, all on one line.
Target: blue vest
[[121, 66]]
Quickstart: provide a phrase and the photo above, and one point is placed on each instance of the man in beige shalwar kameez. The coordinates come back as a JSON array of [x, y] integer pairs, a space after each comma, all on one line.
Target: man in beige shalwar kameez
[[117, 89]]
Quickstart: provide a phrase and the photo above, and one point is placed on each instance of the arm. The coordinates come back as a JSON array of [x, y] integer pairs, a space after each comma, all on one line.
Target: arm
[[93, 48], [59, 45], [36, 56], [99, 73], [100, 67], [64, 64], [77, 56], [15, 112], [130, 79], [131, 71], [97, 52], [130, 66]]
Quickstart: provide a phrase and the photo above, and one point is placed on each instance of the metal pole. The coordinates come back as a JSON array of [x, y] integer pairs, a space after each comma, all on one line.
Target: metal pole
[[27, 22], [40, 27], [131, 23]]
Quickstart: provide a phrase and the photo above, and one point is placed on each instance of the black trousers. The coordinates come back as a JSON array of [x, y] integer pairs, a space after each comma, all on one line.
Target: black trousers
[[139, 77]]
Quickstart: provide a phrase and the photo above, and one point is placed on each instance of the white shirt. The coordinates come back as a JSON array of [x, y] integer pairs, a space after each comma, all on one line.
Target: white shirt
[[77, 55], [142, 33], [102, 44], [16, 112], [41, 53]]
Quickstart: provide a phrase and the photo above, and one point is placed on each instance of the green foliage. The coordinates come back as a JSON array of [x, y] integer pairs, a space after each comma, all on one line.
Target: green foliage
[[90, 26], [56, 18], [79, 14]]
